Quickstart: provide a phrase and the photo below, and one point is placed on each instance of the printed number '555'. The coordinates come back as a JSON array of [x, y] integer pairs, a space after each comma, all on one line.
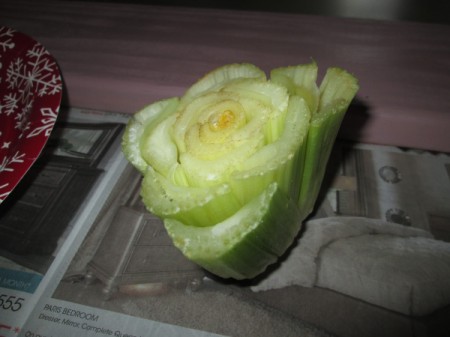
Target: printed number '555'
[[12, 303]]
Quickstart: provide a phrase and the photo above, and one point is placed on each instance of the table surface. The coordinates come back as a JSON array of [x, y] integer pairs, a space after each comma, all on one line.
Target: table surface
[[120, 57]]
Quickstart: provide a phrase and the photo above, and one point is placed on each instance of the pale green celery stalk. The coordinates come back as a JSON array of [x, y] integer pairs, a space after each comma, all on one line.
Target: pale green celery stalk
[[243, 245], [237, 226], [299, 80], [253, 237], [142, 122], [280, 161], [336, 92], [213, 80], [194, 206]]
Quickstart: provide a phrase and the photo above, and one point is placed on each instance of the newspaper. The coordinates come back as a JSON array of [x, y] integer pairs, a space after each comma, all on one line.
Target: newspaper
[[111, 269], [28, 277]]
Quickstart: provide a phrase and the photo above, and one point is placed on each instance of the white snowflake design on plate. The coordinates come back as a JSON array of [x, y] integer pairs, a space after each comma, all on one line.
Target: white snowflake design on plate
[[7, 165], [6, 41], [33, 73], [30, 77]]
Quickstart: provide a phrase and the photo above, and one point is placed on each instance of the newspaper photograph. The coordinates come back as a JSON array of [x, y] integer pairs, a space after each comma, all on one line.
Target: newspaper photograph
[[44, 220]]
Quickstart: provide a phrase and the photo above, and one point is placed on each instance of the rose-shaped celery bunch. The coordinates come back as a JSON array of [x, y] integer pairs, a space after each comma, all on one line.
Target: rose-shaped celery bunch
[[235, 165]]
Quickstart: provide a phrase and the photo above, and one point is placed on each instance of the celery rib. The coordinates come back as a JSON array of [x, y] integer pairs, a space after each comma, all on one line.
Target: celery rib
[[235, 165]]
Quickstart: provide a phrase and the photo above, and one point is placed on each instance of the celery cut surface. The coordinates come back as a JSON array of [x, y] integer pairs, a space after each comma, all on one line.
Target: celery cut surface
[[235, 165]]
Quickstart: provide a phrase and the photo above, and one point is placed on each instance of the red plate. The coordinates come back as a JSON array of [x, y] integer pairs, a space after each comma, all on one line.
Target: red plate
[[30, 96]]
